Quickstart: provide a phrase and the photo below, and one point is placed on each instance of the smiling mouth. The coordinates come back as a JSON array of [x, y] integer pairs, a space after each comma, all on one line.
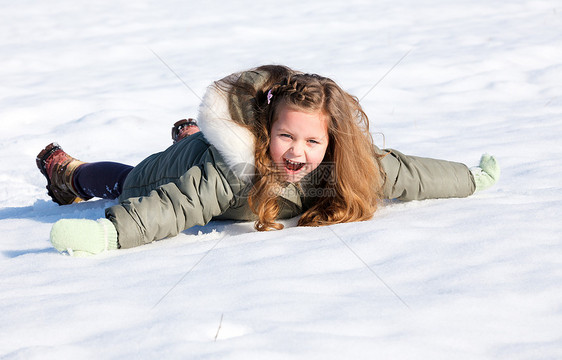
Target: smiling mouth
[[293, 165]]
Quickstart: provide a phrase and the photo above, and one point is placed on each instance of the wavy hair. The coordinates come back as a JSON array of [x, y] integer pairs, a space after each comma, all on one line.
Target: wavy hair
[[350, 186]]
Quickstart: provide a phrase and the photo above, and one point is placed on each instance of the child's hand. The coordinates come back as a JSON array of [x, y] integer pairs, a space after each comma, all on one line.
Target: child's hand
[[81, 237], [487, 173]]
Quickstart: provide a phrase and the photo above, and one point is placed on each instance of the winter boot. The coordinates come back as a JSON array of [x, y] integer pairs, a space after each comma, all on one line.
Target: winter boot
[[183, 128], [58, 167]]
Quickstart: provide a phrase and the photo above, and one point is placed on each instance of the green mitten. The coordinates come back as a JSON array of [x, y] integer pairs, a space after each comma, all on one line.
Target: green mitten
[[81, 237], [487, 173]]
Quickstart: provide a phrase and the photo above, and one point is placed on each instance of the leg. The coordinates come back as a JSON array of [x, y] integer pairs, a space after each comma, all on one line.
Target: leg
[[100, 179]]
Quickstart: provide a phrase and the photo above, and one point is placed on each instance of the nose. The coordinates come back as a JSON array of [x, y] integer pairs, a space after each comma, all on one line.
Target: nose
[[297, 149]]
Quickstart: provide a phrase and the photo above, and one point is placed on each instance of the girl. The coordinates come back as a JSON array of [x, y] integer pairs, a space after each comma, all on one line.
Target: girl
[[274, 143]]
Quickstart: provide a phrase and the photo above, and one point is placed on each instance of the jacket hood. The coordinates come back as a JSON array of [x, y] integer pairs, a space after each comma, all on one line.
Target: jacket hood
[[234, 142]]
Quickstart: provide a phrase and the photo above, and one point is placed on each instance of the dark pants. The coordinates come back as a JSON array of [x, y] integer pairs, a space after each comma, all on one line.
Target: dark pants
[[101, 179]]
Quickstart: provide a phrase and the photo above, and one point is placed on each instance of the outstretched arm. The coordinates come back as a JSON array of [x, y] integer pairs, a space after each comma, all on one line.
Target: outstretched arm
[[417, 178], [202, 193]]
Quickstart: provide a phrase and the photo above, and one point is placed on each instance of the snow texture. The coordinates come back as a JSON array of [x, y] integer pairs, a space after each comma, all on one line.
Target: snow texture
[[473, 278]]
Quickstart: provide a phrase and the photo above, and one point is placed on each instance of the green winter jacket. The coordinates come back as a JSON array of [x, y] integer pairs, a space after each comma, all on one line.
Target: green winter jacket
[[209, 175]]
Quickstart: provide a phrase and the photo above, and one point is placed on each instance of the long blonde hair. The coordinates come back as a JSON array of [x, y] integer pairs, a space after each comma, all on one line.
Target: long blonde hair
[[350, 186]]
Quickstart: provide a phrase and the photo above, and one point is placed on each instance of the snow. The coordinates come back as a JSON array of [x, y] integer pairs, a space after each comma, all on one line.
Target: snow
[[473, 278]]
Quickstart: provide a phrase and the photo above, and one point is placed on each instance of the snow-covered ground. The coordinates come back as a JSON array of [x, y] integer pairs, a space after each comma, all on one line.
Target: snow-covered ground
[[474, 278]]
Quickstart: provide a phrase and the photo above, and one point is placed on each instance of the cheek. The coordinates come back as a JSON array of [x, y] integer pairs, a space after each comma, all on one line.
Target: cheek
[[275, 150], [318, 155]]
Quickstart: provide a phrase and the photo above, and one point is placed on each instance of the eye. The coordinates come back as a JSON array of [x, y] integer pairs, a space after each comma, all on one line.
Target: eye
[[314, 142], [286, 136]]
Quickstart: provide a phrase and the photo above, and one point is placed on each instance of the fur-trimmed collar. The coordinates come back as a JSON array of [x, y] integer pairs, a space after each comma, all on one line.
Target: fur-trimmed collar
[[234, 142]]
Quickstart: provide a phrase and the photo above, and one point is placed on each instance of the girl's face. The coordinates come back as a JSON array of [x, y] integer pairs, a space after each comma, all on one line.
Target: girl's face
[[298, 142]]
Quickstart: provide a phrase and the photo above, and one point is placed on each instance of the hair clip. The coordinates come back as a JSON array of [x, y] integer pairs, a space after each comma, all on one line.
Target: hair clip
[[269, 96]]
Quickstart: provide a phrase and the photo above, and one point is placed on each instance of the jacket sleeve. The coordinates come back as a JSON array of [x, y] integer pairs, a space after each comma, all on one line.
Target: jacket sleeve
[[417, 178], [199, 195]]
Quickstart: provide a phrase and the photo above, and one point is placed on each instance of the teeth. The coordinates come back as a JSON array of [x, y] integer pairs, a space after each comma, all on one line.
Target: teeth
[[292, 162], [293, 165]]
